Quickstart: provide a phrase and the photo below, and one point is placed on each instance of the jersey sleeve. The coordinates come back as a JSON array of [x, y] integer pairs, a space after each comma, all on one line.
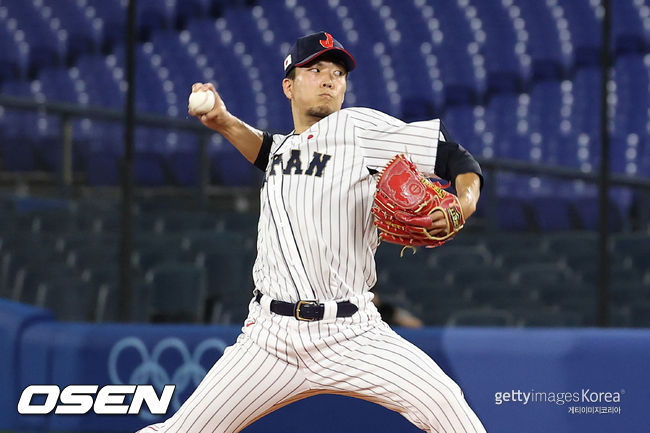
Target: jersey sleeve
[[453, 159], [262, 159], [382, 137]]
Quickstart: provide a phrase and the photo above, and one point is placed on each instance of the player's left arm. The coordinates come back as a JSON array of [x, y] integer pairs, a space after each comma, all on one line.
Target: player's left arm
[[456, 164]]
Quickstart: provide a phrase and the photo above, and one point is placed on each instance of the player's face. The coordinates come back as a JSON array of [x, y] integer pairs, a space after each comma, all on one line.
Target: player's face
[[318, 89]]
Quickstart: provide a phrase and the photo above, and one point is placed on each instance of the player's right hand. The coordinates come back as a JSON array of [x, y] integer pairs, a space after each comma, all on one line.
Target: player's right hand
[[219, 116]]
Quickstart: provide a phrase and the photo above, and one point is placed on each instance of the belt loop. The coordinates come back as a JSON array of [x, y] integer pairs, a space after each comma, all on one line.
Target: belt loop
[[330, 310], [265, 302]]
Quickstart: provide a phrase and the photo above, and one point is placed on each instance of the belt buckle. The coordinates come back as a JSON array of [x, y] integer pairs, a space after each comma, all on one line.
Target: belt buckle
[[299, 305]]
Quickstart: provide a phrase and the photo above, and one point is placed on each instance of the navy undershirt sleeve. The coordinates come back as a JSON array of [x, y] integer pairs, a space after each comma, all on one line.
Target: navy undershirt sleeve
[[262, 159], [453, 159]]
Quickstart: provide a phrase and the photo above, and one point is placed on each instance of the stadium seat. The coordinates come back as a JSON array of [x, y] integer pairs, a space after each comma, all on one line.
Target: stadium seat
[[559, 295], [178, 222], [640, 315], [587, 210], [84, 34], [16, 260], [153, 15], [99, 275], [90, 256], [548, 62], [627, 28], [108, 308], [552, 213], [55, 221], [574, 243], [533, 274], [30, 276], [552, 319], [149, 257], [46, 45], [478, 273], [500, 294], [505, 72], [70, 299], [512, 259], [481, 317], [177, 293], [626, 295], [585, 29]]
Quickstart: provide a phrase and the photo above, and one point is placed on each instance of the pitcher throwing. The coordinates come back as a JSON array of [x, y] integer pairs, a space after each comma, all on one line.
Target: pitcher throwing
[[312, 327]]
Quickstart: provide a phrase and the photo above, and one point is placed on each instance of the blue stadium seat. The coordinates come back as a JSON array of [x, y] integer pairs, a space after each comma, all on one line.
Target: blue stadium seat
[[69, 298], [457, 119], [631, 116], [233, 81], [587, 210], [153, 15], [553, 213], [548, 62], [585, 28], [500, 295], [148, 169], [503, 65], [188, 9], [84, 34], [113, 17], [179, 222], [101, 82], [230, 168], [47, 46], [628, 31], [166, 283], [15, 51]]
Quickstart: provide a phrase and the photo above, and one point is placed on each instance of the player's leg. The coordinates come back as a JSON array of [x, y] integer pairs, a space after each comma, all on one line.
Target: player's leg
[[244, 384], [382, 367]]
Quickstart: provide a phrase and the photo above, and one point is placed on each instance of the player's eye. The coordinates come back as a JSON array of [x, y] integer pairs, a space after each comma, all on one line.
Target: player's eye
[[314, 69], [338, 73]]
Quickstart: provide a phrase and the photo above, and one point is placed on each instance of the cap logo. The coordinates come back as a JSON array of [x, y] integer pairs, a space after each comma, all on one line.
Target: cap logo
[[287, 61], [327, 43]]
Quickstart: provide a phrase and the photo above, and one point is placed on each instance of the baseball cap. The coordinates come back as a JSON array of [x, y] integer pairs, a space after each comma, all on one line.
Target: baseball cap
[[312, 46]]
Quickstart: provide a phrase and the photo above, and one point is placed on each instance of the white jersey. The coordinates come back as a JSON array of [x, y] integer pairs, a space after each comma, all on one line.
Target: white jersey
[[317, 241], [316, 238]]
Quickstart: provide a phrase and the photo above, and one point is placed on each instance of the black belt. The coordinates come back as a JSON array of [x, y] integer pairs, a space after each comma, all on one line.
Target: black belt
[[308, 310]]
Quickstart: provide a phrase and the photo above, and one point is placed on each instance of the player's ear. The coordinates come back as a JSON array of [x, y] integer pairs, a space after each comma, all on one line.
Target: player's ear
[[287, 86]]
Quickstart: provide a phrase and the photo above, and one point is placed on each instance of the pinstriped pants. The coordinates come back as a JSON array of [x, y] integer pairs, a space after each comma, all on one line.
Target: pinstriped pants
[[278, 360]]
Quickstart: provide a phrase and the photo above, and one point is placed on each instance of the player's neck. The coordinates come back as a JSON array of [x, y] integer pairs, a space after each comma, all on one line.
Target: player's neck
[[303, 123]]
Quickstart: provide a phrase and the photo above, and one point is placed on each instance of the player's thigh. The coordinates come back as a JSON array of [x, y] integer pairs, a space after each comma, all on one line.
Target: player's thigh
[[384, 368], [245, 383]]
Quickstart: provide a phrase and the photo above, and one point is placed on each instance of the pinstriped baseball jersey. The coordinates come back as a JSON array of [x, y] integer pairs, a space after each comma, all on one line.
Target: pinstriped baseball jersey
[[316, 239]]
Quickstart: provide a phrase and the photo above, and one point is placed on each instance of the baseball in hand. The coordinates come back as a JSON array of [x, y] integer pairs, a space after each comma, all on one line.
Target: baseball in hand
[[201, 101]]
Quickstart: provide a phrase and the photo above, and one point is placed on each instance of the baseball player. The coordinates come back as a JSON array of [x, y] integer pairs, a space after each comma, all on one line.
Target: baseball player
[[312, 327]]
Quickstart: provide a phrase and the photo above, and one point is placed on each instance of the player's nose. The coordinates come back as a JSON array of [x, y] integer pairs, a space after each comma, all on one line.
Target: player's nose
[[327, 81]]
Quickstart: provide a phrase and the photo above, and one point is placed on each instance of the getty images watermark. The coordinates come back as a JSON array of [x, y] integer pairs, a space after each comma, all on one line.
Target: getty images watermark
[[585, 401]]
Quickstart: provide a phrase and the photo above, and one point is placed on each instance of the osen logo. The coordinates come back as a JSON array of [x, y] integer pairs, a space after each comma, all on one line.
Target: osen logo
[[81, 399]]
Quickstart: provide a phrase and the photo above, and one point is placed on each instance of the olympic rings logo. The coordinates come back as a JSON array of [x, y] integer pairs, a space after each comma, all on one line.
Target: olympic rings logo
[[150, 370]]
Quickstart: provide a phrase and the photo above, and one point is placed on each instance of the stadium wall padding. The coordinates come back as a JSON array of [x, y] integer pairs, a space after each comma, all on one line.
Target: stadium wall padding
[[544, 364]]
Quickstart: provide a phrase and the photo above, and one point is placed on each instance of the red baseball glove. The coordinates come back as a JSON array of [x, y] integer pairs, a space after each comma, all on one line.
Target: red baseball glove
[[404, 202]]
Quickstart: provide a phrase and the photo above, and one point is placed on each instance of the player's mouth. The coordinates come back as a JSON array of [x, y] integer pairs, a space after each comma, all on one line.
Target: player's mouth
[[326, 95]]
